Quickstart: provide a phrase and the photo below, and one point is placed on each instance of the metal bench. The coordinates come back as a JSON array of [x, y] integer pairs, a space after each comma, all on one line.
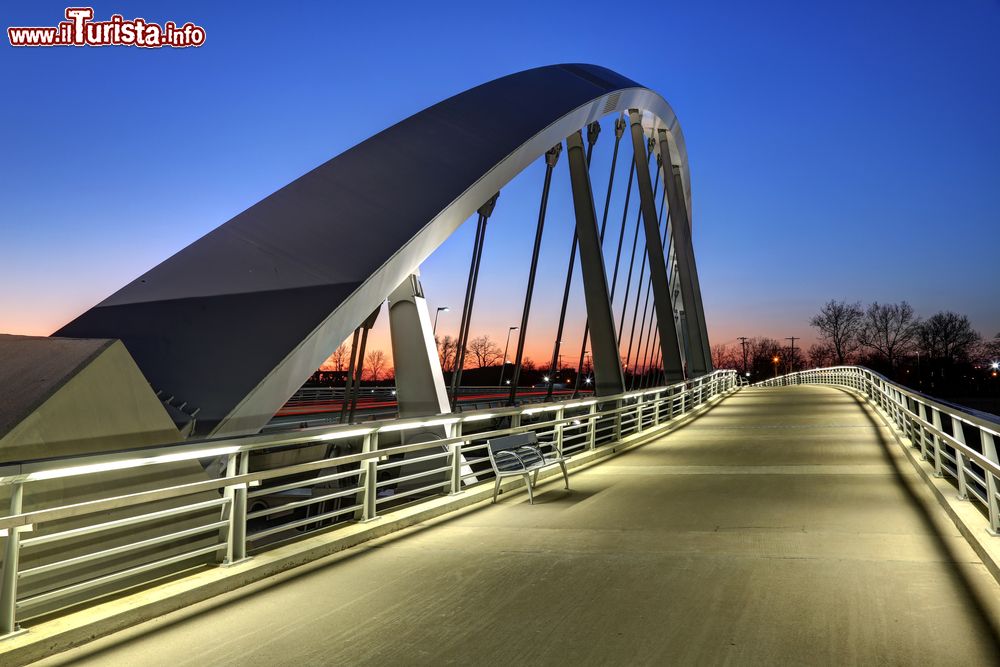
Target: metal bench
[[521, 454]]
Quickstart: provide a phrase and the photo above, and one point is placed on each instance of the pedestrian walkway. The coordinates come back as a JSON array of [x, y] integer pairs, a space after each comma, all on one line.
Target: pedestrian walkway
[[784, 526]]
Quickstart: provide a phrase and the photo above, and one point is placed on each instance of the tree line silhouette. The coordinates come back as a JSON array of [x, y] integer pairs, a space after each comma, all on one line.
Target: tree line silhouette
[[942, 354]]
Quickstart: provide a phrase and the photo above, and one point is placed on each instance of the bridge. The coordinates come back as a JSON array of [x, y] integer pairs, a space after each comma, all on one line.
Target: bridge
[[158, 513]]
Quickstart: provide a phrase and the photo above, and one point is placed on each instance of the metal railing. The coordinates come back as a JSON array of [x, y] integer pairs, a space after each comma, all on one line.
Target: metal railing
[[958, 443], [308, 406], [273, 488]]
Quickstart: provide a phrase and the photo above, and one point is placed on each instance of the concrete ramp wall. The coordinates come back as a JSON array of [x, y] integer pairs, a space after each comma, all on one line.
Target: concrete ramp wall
[[66, 396]]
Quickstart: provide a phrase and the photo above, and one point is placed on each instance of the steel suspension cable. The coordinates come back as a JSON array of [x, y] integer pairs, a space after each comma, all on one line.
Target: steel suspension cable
[[551, 157], [645, 355], [654, 363], [646, 334], [360, 374], [619, 132], [593, 131], [635, 240], [349, 380], [635, 316], [470, 296], [642, 329], [621, 234]]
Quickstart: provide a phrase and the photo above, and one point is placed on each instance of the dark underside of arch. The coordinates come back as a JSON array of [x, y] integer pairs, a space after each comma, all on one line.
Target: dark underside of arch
[[208, 324]]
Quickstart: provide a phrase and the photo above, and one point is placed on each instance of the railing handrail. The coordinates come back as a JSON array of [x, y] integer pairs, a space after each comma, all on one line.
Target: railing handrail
[[31, 471], [210, 447], [952, 409], [441, 466], [881, 384]]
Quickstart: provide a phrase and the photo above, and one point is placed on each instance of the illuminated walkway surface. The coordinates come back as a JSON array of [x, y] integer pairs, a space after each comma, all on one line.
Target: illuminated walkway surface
[[774, 529]]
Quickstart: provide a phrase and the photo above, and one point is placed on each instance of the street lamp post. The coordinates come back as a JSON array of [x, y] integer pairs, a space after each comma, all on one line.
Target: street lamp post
[[503, 366], [434, 330], [775, 361]]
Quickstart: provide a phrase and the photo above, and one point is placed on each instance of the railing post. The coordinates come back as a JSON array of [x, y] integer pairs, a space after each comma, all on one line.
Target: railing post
[[455, 457], [592, 428], [240, 510], [907, 418], [370, 467], [922, 414], [959, 435], [990, 451], [657, 399], [560, 415], [12, 553], [237, 463], [618, 420], [639, 410], [936, 414]]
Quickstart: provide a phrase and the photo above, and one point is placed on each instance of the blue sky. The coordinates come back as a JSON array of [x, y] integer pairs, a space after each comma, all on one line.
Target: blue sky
[[838, 150]]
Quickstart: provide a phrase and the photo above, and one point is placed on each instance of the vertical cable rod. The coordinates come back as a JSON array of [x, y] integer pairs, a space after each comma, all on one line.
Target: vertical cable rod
[[644, 333], [635, 241], [360, 373], [619, 132], [349, 381], [645, 354], [551, 157], [593, 131], [470, 296], [642, 328]]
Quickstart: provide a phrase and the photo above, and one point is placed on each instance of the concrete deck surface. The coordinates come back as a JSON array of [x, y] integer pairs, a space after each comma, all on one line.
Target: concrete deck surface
[[783, 527]]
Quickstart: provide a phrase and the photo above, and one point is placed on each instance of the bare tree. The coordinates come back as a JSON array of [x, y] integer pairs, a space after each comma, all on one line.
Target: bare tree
[[948, 336], [761, 353], [839, 325], [338, 360], [989, 350], [375, 363], [447, 352], [726, 356], [889, 330], [823, 355], [341, 357], [484, 351]]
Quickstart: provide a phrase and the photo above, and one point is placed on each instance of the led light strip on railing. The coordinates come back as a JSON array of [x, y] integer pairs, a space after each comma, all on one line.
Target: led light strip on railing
[[574, 431], [17, 473]]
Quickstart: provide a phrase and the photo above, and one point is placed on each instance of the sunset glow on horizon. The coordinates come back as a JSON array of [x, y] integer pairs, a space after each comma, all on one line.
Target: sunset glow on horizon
[[833, 155]]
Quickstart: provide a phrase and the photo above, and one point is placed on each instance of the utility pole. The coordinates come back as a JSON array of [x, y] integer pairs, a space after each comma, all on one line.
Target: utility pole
[[743, 342], [791, 355]]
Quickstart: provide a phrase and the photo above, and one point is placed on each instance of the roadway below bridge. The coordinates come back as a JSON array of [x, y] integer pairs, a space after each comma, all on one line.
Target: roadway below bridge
[[305, 412], [784, 526]]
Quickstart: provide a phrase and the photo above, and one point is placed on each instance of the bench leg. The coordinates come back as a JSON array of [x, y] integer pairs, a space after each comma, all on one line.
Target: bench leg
[[534, 478], [562, 464], [496, 489], [527, 482]]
